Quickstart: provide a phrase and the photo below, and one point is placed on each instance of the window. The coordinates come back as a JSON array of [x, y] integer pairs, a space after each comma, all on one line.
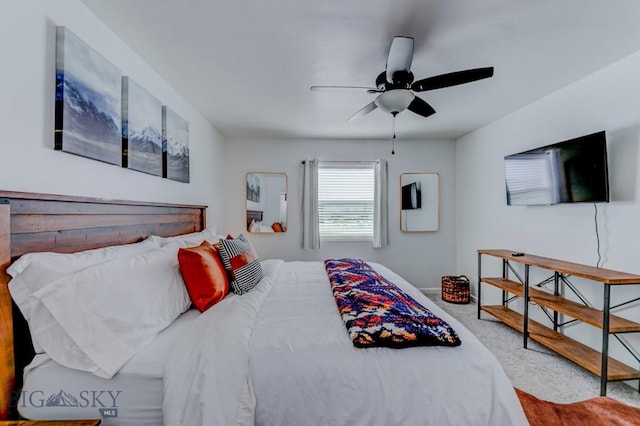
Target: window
[[345, 200], [531, 180]]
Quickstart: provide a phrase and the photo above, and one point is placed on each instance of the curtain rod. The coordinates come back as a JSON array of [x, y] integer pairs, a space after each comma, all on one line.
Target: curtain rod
[[345, 161]]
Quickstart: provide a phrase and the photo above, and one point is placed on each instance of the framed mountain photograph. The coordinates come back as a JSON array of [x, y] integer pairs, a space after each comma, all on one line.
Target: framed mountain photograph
[[175, 144], [88, 101], [141, 129]]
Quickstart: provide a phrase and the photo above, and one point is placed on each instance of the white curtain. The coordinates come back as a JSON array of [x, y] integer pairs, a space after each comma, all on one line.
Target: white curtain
[[310, 222], [381, 205]]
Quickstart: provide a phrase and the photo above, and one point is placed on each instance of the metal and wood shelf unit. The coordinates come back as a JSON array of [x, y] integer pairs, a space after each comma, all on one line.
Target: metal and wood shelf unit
[[597, 362]]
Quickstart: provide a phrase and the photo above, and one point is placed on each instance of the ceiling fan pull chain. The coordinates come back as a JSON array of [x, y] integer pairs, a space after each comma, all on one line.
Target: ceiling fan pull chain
[[393, 132]]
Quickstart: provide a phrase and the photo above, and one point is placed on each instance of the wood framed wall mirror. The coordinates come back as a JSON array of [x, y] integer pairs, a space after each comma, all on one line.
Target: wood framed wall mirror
[[266, 202], [419, 202]]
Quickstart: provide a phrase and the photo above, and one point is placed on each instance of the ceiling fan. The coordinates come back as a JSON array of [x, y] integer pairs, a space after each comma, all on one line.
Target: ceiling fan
[[395, 86]]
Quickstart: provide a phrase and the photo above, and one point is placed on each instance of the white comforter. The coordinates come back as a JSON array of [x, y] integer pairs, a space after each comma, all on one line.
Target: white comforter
[[281, 355]]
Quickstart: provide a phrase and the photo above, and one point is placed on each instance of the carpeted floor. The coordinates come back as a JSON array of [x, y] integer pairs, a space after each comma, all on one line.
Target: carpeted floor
[[536, 370]]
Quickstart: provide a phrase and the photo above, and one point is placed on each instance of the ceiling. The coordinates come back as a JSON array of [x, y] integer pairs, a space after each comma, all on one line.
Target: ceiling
[[247, 65]]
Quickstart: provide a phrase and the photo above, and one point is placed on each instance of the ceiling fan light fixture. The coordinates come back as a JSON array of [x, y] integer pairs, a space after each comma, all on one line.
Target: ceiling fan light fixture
[[394, 101]]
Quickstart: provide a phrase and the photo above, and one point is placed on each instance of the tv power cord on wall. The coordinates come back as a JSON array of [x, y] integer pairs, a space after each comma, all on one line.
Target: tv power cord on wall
[[595, 206]]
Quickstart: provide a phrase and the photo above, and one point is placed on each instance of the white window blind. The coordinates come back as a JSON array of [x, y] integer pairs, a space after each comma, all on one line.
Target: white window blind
[[345, 200], [530, 178]]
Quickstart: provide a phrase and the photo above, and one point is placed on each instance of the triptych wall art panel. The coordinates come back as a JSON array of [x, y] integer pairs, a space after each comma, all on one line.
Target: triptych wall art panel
[[88, 98], [103, 115], [141, 129], [175, 135]]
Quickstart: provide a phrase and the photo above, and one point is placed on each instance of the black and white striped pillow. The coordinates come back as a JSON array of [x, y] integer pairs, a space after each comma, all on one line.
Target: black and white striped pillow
[[241, 262]]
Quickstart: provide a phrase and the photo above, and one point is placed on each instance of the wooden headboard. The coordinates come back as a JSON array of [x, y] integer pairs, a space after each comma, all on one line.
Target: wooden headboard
[[39, 222], [253, 215]]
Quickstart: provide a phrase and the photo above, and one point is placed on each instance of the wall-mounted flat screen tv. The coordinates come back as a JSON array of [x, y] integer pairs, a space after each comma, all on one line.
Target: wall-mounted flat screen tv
[[411, 196], [573, 171]]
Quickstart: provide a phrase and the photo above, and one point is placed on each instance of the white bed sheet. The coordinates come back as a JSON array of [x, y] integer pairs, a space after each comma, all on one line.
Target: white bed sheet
[[139, 382], [285, 358], [300, 348], [281, 355]]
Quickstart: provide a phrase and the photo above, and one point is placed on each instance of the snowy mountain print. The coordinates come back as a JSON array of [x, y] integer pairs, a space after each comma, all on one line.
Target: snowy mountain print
[[88, 99], [175, 140], [147, 140], [141, 129]]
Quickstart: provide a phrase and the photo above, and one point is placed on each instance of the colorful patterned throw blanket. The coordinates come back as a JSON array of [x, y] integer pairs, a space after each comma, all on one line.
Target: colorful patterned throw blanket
[[378, 313]]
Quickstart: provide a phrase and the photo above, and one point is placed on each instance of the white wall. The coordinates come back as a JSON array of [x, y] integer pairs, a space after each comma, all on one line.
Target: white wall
[[29, 163], [607, 100], [421, 258]]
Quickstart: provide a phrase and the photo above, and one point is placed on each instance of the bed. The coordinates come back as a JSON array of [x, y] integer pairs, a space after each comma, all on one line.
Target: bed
[[279, 354], [253, 216]]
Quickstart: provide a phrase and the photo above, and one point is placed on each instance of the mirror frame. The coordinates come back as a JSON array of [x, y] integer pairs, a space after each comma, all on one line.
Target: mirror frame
[[254, 197], [423, 205]]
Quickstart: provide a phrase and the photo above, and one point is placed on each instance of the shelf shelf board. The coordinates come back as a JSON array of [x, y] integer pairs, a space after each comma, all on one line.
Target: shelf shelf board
[[506, 315], [504, 284], [581, 312], [580, 354], [573, 309]]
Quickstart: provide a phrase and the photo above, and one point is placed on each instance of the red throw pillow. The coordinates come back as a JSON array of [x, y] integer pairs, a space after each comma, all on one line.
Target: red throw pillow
[[204, 275]]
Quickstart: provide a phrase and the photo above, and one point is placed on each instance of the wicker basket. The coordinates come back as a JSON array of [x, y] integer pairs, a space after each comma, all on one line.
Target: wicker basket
[[455, 289]]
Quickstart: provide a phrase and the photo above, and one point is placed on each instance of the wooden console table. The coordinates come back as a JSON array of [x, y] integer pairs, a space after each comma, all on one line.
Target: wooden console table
[[597, 362]]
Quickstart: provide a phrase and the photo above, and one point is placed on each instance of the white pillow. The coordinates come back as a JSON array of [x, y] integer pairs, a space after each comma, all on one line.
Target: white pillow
[[254, 226], [97, 318], [194, 238], [265, 228], [35, 270]]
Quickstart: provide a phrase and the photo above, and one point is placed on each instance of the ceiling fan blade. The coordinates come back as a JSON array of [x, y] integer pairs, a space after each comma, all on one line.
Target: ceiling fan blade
[[368, 89], [364, 111], [421, 107], [400, 56], [451, 79]]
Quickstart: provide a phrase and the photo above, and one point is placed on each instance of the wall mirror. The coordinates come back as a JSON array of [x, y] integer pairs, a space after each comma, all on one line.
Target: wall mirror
[[266, 202], [419, 202]]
